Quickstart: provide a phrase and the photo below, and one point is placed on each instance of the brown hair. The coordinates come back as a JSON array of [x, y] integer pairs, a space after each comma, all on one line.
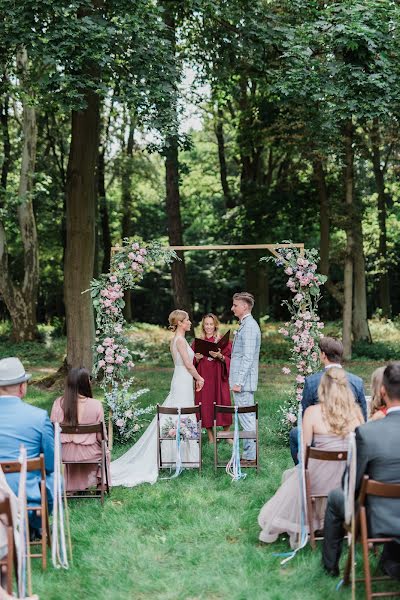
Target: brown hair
[[338, 405], [215, 320], [377, 402], [245, 297], [177, 316], [333, 349], [76, 382], [391, 380]]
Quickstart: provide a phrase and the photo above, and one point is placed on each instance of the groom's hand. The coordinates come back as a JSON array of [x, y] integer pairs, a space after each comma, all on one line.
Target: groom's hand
[[237, 388]]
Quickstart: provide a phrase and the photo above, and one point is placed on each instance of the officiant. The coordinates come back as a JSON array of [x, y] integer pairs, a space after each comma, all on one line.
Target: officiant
[[214, 368]]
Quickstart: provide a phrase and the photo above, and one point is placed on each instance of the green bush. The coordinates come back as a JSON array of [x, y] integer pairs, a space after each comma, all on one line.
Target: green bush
[[377, 351]]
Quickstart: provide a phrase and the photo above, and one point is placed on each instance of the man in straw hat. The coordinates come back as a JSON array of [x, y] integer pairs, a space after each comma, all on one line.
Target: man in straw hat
[[22, 423]]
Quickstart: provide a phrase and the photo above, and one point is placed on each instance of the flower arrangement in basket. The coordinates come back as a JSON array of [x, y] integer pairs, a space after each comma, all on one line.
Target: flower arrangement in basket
[[189, 429], [126, 415], [305, 327]]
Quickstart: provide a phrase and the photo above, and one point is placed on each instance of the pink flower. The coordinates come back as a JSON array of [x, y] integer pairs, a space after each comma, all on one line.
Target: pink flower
[[140, 259], [143, 251], [110, 369], [320, 325], [300, 379], [314, 356], [108, 341], [113, 278], [131, 255], [118, 328], [109, 359], [298, 297], [283, 331], [120, 422], [130, 364], [296, 349], [298, 323], [289, 271], [102, 363], [299, 391], [285, 370], [121, 265], [135, 266], [172, 432], [135, 246], [100, 349], [119, 360], [291, 417], [128, 414]]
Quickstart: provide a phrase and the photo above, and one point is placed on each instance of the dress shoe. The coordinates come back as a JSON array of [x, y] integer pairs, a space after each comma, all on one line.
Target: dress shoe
[[35, 535], [333, 572]]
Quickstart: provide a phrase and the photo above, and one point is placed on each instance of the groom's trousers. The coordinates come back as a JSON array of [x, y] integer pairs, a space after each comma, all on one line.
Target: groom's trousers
[[247, 421]]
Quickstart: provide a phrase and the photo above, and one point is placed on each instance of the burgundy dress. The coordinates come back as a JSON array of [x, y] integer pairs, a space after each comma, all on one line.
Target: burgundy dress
[[216, 386]]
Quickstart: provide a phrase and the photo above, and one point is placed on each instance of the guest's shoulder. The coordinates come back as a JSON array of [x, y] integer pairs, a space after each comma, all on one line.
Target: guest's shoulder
[[34, 412], [253, 323], [372, 428], [354, 379], [314, 377]]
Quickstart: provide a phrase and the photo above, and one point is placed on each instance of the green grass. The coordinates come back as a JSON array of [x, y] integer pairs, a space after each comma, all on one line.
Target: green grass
[[195, 537]]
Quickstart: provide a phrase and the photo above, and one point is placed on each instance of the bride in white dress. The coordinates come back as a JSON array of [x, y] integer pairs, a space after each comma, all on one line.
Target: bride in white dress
[[139, 464]]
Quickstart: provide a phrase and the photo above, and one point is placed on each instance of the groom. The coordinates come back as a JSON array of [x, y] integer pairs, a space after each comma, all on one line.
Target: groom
[[243, 375]]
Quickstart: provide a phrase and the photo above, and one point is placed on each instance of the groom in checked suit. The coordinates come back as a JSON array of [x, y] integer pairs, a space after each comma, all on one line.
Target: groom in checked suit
[[243, 375]]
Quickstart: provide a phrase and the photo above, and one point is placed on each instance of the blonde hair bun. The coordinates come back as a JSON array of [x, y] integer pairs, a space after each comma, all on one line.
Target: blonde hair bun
[[177, 316]]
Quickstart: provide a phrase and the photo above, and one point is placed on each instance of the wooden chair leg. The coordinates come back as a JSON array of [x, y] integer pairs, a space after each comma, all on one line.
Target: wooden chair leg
[[347, 569], [215, 447], [43, 512], [364, 543], [10, 559], [310, 512]]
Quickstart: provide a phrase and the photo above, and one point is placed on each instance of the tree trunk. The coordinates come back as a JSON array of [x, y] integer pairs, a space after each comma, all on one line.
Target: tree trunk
[[126, 197], [348, 261], [179, 280], [384, 289], [103, 210], [361, 330], [21, 301], [5, 168], [175, 237], [324, 216], [219, 133], [80, 245]]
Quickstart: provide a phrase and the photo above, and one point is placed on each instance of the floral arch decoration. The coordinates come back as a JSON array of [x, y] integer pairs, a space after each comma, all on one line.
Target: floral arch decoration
[[112, 359], [304, 328]]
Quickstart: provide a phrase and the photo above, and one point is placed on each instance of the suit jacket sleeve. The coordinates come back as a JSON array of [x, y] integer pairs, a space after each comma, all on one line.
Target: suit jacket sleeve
[[362, 402], [362, 459], [249, 349], [47, 446], [307, 398]]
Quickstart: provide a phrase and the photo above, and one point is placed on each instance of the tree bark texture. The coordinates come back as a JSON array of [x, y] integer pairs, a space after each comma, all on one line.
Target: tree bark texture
[[348, 261], [361, 330], [21, 299], [384, 288], [80, 243], [126, 197], [103, 211], [223, 171]]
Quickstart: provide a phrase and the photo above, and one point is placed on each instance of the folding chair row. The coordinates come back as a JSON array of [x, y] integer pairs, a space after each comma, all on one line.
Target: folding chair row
[[41, 509], [218, 435], [8, 563]]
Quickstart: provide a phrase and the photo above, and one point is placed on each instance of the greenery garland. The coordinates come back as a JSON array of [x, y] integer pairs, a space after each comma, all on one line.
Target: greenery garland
[[304, 328]]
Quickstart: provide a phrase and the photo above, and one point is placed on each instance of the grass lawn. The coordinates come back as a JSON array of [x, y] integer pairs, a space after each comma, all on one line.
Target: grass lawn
[[195, 537]]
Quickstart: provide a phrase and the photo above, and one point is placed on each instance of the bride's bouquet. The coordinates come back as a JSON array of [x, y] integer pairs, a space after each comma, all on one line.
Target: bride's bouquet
[[189, 429]]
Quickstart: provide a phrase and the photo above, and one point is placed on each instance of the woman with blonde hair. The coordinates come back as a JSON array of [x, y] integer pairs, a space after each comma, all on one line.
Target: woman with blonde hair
[[215, 371], [139, 463], [326, 426], [377, 408]]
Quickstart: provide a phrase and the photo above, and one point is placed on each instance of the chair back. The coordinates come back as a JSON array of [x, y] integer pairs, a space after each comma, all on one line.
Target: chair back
[[331, 455], [173, 410], [371, 487], [32, 464], [252, 408], [5, 510], [83, 429]]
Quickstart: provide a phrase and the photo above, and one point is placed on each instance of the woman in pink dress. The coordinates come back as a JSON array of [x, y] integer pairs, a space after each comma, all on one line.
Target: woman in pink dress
[[215, 372], [77, 407], [377, 405]]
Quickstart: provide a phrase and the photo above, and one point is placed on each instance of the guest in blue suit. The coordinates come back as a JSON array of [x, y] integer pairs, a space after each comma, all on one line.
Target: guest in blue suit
[[331, 354], [21, 423]]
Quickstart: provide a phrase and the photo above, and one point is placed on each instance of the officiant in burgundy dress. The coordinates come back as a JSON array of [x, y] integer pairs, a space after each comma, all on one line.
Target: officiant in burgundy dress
[[215, 371]]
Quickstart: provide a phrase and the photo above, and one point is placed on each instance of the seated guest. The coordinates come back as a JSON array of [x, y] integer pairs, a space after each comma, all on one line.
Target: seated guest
[[77, 407], [378, 408], [378, 455], [331, 353], [22, 423], [326, 426]]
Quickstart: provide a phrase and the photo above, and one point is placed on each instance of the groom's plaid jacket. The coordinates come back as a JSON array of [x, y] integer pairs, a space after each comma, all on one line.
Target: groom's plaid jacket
[[245, 355]]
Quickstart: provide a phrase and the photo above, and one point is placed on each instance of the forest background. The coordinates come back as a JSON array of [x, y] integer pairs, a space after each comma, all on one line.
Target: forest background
[[296, 138]]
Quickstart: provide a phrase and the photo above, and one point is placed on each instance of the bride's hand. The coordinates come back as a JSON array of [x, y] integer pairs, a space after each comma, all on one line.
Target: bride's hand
[[199, 384]]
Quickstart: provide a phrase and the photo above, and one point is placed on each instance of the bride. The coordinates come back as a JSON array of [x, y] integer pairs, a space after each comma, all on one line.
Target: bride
[[139, 463]]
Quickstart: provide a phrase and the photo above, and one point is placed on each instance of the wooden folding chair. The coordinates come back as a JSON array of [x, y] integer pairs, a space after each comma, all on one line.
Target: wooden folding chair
[[35, 464], [98, 428], [229, 435], [190, 410], [8, 562], [370, 487], [316, 454]]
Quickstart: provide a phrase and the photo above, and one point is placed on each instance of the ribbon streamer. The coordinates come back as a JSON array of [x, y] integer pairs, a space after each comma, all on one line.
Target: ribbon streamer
[[233, 467], [59, 555]]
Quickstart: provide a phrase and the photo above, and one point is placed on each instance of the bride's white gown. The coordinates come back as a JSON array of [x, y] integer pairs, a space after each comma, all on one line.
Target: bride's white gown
[[139, 463]]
